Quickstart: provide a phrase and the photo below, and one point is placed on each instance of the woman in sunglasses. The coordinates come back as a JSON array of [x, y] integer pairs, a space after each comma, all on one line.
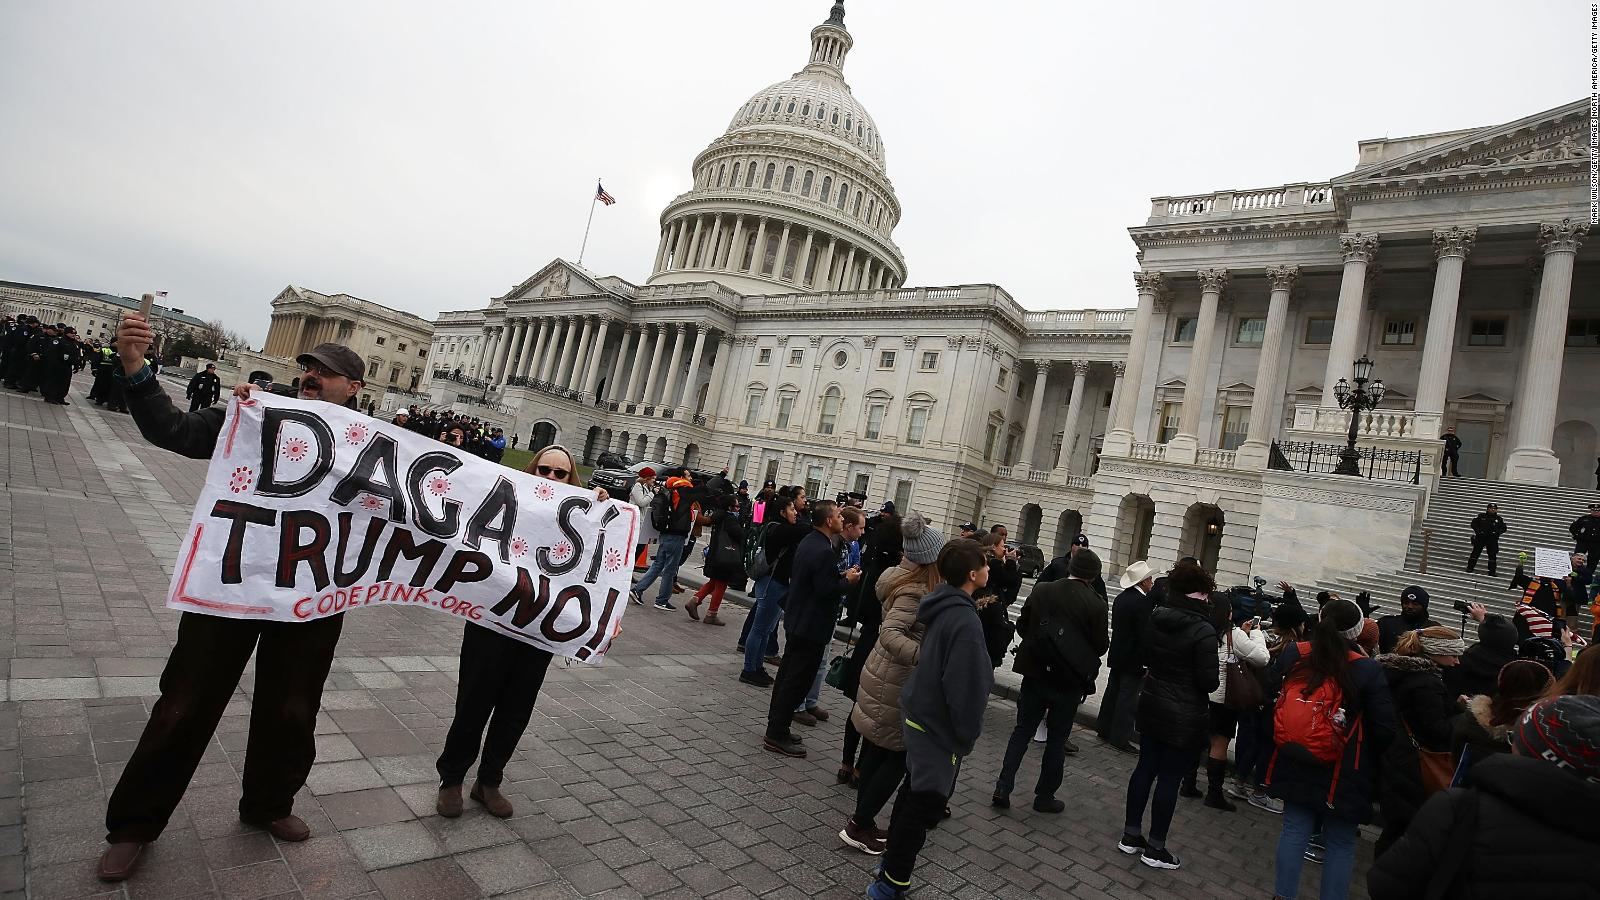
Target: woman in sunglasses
[[499, 682]]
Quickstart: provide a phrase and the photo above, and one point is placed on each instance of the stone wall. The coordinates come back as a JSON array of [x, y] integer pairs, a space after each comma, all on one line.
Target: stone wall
[[1316, 527]]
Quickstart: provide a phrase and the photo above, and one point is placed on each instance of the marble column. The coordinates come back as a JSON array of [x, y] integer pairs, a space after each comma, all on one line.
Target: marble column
[[719, 373], [517, 331], [652, 375], [844, 275], [686, 395], [531, 353], [1119, 438], [567, 371], [661, 251], [800, 272], [1451, 246], [614, 382], [735, 256], [558, 336], [824, 277], [1270, 367], [694, 243], [1069, 428], [597, 350], [1358, 250], [491, 346], [1030, 430], [1532, 461], [1185, 445], [759, 252], [716, 243], [783, 253], [636, 371], [669, 391]]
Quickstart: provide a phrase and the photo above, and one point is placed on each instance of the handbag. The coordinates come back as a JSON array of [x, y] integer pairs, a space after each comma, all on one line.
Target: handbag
[[1436, 766], [837, 665], [1241, 690]]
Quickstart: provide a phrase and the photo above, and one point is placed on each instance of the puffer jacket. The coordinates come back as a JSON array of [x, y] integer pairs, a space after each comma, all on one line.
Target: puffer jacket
[[1533, 836], [1472, 734], [1251, 648], [1181, 658], [1422, 705], [877, 712]]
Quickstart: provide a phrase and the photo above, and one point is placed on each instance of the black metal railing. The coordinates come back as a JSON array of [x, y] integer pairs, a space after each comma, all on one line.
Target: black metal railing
[[1376, 463]]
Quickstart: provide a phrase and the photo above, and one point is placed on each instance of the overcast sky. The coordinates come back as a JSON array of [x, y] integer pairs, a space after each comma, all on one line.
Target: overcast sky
[[428, 156]]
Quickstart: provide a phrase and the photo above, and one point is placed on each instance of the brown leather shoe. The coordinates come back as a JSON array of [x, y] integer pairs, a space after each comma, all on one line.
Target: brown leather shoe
[[290, 828], [119, 861], [449, 802], [817, 711], [493, 800]]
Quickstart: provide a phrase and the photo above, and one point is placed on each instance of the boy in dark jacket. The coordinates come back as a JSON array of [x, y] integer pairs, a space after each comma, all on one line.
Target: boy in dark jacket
[[943, 704], [1064, 634]]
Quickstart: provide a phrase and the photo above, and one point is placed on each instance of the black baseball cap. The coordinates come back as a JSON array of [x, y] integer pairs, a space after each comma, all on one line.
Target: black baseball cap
[[1081, 540], [968, 526], [336, 358]]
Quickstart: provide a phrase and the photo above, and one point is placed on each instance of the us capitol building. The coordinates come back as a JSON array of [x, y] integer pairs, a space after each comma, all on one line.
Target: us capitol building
[[777, 336]]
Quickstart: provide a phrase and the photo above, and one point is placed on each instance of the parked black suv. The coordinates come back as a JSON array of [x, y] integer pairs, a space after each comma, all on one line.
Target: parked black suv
[[1030, 559]]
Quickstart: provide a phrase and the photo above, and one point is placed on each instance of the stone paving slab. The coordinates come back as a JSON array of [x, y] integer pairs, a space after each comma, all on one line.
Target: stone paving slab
[[640, 778]]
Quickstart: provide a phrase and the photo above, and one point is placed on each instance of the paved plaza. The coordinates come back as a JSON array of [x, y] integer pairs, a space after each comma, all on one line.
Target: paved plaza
[[643, 777]]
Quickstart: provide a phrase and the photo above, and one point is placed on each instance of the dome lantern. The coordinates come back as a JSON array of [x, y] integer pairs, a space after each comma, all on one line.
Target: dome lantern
[[829, 44]]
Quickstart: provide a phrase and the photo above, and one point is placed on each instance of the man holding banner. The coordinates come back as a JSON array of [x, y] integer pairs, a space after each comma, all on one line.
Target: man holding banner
[[210, 655]]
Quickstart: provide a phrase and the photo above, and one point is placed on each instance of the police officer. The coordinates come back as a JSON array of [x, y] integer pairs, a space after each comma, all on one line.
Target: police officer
[[1487, 527], [202, 673], [204, 388], [54, 354], [1450, 462]]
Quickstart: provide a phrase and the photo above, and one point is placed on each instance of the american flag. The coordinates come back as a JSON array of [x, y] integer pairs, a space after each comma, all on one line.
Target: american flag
[[601, 195], [161, 293]]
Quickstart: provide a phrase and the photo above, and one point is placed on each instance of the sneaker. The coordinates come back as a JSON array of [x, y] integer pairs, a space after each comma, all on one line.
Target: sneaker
[[1265, 803], [665, 605], [758, 678], [789, 745], [1315, 853], [636, 597], [1000, 801], [1236, 790], [1071, 747], [805, 718], [1048, 805], [882, 890], [1132, 844], [1159, 859], [861, 839]]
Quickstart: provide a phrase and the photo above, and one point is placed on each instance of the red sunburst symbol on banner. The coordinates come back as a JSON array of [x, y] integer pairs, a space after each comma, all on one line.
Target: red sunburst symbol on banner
[[239, 481], [355, 432], [438, 485], [519, 547], [369, 501], [561, 550], [544, 491], [249, 401], [295, 449], [613, 559]]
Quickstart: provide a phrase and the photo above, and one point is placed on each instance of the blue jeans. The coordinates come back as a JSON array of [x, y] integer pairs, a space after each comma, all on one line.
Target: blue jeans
[[1338, 836], [768, 611], [815, 694], [1253, 752], [669, 556]]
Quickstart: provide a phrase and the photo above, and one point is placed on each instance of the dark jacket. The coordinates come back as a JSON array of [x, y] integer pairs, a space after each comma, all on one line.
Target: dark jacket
[[206, 385], [779, 542], [1425, 707], [1071, 604], [1300, 779], [1533, 836], [191, 434], [1005, 580], [811, 608], [684, 498], [1479, 672], [1057, 570], [1391, 627], [1452, 443], [1488, 526], [1180, 652], [1130, 617], [1471, 733], [1585, 530], [725, 549], [948, 691]]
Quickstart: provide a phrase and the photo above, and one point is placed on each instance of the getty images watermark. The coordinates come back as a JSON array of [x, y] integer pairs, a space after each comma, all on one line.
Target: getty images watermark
[[1594, 114]]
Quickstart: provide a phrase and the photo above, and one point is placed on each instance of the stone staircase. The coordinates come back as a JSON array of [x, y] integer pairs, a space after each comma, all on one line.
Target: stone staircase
[[1535, 517]]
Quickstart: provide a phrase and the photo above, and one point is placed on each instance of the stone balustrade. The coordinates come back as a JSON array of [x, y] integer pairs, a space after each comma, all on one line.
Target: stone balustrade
[[1076, 319], [1211, 458], [1002, 472], [1378, 423], [1223, 204], [1149, 452]]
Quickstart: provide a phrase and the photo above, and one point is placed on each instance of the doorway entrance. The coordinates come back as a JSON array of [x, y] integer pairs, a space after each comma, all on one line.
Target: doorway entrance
[[1474, 448]]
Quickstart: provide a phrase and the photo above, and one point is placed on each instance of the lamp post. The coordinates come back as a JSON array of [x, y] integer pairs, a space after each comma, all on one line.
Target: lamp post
[[1363, 396]]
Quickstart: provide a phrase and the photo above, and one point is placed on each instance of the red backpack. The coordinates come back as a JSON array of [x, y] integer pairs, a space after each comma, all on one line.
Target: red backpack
[[1313, 720]]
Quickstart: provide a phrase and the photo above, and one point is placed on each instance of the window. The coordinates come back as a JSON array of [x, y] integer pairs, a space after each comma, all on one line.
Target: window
[[788, 179], [722, 172], [805, 184], [1000, 380], [990, 433], [735, 180], [1010, 456], [750, 176], [1251, 331], [830, 411], [372, 369], [785, 410], [844, 193], [840, 359], [771, 473], [902, 494], [1171, 413], [394, 375], [752, 407], [763, 356], [797, 357], [401, 346], [739, 463], [1183, 330], [930, 360], [806, 109], [875, 414], [1235, 425], [862, 481], [813, 481], [1492, 333], [422, 352], [380, 340], [1319, 331], [1580, 332], [886, 359], [769, 259], [791, 106], [1400, 333], [856, 210], [827, 182], [917, 425], [766, 180]]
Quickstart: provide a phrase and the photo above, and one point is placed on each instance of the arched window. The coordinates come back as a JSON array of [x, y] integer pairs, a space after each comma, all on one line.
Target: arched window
[[805, 184], [880, 217], [856, 210], [788, 179], [750, 175], [722, 170], [830, 411], [844, 193], [858, 132], [835, 117], [848, 123], [870, 201], [791, 107], [827, 184], [819, 112], [763, 106], [735, 181], [766, 180], [806, 109]]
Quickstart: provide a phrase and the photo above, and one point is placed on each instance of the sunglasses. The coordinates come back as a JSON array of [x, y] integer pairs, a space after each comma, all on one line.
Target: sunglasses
[[552, 472]]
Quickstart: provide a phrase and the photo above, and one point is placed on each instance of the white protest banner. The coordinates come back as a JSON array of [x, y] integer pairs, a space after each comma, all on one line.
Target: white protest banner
[[1551, 563], [311, 509]]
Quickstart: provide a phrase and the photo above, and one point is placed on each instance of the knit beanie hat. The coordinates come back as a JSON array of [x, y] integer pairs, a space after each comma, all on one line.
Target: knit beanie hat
[[1368, 638], [1084, 564], [1564, 731], [920, 543]]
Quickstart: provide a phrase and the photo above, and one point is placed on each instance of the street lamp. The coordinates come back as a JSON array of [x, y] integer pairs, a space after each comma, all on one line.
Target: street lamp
[[1363, 396]]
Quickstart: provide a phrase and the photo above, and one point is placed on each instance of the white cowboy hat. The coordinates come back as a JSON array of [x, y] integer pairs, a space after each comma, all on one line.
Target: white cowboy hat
[[1136, 573]]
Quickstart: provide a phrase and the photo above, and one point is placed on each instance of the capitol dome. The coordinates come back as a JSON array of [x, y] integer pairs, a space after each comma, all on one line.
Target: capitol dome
[[794, 195]]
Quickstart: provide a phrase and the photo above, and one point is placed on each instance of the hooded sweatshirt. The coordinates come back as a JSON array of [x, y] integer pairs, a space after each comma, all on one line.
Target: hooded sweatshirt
[[948, 691], [1479, 672]]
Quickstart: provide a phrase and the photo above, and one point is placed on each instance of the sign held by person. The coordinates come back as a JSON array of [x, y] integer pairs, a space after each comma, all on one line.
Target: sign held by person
[[1551, 562], [311, 509]]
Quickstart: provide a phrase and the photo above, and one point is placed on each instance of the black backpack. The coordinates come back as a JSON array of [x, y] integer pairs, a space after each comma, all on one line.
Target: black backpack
[[661, 511], [1064, 651]]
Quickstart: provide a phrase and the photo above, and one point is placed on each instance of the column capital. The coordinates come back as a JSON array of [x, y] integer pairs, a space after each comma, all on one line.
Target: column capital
[[1081, 367], [1119, 368], [726, 339], [910, 342], [1212, 280], [1563, 236], [1042, 366], [869, 341], [1153, 283], [816, 341], [606, 319], [1453, 241], [1283, 278], [1358, 247]]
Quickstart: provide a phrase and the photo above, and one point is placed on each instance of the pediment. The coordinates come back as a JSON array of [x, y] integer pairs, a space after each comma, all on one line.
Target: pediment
[[1238, 386], [1171, 383], [1479, 397], [558, 279], [1556, 138]]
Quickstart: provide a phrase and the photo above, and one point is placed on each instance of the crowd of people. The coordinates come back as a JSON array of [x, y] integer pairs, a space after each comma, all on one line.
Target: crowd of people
[[466, 433]]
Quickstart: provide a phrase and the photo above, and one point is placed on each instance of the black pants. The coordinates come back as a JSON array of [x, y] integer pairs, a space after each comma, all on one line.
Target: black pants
[[1117, 706], [1478, 546], [292, 662], [1161, 766], [199, 401], [793, 682], [53, 384], [1450, 464], [881, 773], [500, 680], [1039, 702]]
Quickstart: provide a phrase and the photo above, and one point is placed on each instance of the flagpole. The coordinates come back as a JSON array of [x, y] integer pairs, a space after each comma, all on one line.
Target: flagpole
[[593, 198]]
